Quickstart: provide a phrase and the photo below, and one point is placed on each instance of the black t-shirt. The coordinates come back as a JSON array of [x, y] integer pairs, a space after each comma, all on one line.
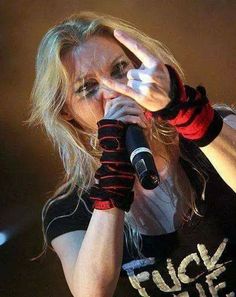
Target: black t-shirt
[[197, 259]]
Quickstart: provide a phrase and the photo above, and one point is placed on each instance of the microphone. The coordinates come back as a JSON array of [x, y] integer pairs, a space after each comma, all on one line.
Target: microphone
[[141, 157]]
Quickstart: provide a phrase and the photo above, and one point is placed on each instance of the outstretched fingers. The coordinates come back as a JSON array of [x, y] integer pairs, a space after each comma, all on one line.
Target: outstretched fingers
[[137, 48]]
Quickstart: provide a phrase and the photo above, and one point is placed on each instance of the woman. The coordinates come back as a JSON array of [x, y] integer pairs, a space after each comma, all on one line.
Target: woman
[[96, 74]]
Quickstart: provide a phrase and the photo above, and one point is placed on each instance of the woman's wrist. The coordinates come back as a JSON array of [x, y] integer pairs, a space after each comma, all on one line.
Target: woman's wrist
[[116, 175], [190, 112], [107, 199]]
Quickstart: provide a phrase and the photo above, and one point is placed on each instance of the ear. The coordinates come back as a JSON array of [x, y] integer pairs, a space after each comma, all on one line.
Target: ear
[[66, 114]]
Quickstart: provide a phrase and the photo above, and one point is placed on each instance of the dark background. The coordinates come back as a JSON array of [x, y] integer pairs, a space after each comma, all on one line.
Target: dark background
[[201, 34]]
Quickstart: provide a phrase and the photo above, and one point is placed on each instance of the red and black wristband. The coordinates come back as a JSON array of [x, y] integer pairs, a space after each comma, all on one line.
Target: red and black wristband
[[190, 112], [106, 199]]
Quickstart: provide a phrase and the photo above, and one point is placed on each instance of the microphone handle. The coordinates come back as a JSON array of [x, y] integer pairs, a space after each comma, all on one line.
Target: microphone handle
[[141, 157]]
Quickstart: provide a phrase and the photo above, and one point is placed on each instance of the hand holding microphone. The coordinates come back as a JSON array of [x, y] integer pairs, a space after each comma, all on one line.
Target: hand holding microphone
[[129, 112]]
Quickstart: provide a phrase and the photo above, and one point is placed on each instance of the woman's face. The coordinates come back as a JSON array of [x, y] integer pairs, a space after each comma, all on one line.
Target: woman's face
[[95, 59]]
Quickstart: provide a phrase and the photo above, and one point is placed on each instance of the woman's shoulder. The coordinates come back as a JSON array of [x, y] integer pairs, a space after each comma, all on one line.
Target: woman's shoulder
[[65, 214]]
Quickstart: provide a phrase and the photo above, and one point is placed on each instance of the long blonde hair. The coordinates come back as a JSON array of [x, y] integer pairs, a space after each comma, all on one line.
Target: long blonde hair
[[49, 94]]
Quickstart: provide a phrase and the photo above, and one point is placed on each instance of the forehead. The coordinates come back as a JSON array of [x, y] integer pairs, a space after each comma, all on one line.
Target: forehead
[[92, 56]]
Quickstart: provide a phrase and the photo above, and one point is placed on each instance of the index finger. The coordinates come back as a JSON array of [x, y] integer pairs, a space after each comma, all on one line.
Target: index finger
[[122, 89], [136, 47]]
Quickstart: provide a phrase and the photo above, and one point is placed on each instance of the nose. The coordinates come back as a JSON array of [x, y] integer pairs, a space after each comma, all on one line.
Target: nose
[[106, 94]]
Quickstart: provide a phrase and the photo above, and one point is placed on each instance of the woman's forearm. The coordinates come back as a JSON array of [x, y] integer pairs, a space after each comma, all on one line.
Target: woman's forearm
[[221, 152], [99, 261]]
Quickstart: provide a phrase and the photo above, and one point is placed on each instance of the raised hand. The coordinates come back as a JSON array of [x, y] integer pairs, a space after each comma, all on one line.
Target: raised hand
[[148, 85]]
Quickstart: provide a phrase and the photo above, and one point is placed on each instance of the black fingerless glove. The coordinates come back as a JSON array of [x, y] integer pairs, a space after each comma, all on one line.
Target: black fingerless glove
[[116, 174], [190, 112]]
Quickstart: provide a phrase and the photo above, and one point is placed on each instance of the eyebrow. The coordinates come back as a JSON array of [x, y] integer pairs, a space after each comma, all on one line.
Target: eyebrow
[[80, 78]]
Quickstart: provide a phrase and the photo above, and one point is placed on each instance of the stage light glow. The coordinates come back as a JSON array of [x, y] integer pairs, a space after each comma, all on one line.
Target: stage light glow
[[3, 238]]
